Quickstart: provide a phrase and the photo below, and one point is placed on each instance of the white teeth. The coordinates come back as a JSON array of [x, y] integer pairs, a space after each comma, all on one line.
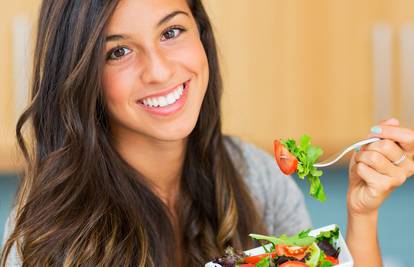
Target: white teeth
[[170, 98], [163, 101], [176, 95], [154, 102]]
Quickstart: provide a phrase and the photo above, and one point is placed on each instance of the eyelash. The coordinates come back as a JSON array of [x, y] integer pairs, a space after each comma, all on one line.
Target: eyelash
[[112, 51], [175, 27], [180, 29]]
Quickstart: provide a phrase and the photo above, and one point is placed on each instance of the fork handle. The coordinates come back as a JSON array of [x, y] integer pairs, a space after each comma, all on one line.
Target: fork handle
[[348, 149]]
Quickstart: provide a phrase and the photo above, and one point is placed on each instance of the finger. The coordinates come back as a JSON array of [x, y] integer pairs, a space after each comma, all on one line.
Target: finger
[[404, 136], [393, 152], [381, 183], [391, 122], [367, 174], [379, 163]]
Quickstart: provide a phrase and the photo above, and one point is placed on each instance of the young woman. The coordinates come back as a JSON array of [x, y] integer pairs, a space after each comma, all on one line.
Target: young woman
[[126, 161]]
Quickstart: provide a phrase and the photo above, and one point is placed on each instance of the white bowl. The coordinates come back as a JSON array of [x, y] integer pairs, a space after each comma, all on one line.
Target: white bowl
[[345, 258]]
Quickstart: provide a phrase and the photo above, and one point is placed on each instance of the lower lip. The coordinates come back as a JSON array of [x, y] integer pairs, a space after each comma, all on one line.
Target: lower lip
[[169, 109]]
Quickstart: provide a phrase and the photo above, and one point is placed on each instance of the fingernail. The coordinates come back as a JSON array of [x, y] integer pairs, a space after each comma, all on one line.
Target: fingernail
[[376, 130], [358, 149]]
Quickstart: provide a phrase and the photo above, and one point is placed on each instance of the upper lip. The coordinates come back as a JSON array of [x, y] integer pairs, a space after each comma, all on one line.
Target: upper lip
[[163, 92]]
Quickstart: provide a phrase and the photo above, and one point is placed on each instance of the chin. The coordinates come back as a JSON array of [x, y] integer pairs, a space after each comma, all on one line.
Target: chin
[[174, 133]]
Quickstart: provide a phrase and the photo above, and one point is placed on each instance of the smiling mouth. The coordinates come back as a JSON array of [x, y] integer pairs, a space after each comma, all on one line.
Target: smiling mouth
[[165, 100]]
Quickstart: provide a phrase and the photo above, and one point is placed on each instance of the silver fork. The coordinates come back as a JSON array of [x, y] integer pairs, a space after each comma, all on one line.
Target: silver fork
[[334, 158]]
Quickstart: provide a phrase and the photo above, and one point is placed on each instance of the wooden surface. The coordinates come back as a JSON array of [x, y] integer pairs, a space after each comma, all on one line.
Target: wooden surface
[[290, 67], [297, 66]]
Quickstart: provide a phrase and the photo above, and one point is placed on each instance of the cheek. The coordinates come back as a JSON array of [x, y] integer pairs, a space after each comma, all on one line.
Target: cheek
[[194, 58], [117, 84]]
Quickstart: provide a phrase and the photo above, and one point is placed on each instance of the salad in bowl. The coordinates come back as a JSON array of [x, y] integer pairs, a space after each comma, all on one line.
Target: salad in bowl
[[322, 247]]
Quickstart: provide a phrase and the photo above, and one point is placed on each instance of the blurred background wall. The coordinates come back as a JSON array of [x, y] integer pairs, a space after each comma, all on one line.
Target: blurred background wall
[[17, 24], [328, 68]]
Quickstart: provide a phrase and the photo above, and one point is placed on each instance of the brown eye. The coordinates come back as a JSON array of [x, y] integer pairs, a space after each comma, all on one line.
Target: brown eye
[[118, 53], [171, 33]]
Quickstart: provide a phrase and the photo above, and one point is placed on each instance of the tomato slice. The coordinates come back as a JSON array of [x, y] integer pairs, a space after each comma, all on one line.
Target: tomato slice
[[287, 162], [257, 258], [331, 259], [291, 251], [293, 264], [246, 265], [280, 250]]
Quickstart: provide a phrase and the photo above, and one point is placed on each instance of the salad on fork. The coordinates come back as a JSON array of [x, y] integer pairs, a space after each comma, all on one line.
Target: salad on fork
[[292, 157]]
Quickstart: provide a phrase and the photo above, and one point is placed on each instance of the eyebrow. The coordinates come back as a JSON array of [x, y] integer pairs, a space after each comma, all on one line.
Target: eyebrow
[[164, 20]]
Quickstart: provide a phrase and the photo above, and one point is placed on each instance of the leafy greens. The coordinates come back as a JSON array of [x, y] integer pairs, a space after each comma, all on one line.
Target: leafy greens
[[301, 239], [307, 155]]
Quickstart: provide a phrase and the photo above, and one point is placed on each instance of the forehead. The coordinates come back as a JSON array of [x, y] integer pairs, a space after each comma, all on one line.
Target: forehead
[[143, 13]]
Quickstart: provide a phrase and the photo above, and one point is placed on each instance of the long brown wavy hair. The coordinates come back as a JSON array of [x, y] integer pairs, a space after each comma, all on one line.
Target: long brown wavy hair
[[79, 202]]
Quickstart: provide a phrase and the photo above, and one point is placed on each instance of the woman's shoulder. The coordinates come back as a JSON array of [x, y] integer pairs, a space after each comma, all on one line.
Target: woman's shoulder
[[255, 163], [257, 166], [277, 195]]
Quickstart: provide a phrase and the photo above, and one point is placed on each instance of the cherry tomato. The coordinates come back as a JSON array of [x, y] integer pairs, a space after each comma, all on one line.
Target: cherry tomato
[[287, 162], [333, 260], [257, 258], [291, 251], [293, 264]]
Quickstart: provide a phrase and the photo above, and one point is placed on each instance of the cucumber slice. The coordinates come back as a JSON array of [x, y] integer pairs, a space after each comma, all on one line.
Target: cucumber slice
[[315, 253]]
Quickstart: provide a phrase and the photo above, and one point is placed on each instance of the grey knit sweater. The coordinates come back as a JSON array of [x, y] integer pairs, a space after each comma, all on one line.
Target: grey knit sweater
[[277, 196]]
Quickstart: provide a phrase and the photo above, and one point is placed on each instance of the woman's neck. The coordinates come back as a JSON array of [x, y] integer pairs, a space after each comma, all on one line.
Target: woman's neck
[[159, 161]]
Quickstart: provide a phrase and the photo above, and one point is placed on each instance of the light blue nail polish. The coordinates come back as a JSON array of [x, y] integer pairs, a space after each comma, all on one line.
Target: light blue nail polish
[[358, 149], [376, 130]]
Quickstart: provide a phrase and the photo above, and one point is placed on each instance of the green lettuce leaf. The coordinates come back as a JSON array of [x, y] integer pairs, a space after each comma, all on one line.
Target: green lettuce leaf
[[307, 155], [265, 262], [300, 239], [331, 235]]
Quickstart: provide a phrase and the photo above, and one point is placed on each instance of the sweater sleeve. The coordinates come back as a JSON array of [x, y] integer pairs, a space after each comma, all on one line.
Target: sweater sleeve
[[277, 196]]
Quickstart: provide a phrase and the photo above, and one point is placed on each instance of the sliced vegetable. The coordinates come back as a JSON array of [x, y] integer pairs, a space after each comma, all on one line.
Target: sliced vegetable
[[287, 162], [257, 258], [301, 239], [293, 264], [307, 155], [331, 259], [315, 253], [291, 251]]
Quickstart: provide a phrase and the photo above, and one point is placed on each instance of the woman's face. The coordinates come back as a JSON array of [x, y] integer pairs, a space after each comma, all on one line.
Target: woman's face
[[156, 70]]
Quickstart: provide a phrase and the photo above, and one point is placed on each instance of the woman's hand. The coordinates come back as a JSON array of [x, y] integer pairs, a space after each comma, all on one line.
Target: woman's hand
[[374, 173]]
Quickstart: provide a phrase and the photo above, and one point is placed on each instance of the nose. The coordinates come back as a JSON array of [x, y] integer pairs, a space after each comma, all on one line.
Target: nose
[[158, 67]]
